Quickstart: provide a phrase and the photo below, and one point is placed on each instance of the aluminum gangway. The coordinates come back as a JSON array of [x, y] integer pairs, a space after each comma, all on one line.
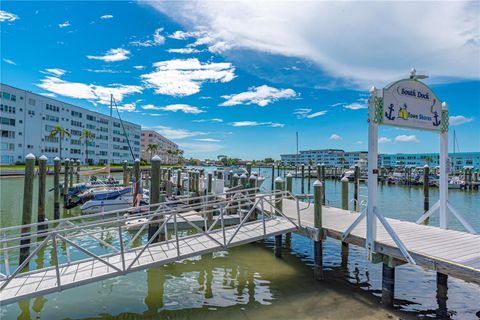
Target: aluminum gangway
[[71, 252]]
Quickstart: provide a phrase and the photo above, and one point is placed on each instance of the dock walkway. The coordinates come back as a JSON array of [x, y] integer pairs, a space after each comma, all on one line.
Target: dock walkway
[[450, 252]]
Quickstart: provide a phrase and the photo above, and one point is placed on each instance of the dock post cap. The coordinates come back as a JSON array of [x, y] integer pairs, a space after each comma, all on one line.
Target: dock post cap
[[156, 158], [344, 179], [444, 105], [323, 163], [235, 175], [278, 179], [231, 171], [72, 160], [78, 160], [372, 90], [137, 160], [426, 166], [43, 157], [289, 175], [56, 159], [253, 177], [317, 183], [29, 156], [243, 176], [67, 160], [125, 161]]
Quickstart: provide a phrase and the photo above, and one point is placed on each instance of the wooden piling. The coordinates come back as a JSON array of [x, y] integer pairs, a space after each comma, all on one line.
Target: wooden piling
[[78, 171], [125, 173], [56, 187], [323, 183], [279, 206], [179, 181], [345, 248], [356, 188], [317, 222], [388, 284], [302, 172], [235, 180], [66, 175], [27, 205], [136, 175], [249, 168], [273, 177], [442, 291], [309, 177], [42, 179], [288, 236], [426, 196], [72, 168], [243, 180], [154, 194]]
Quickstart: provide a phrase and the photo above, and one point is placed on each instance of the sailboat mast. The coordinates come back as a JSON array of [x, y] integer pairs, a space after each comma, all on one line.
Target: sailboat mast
[[109, 152]]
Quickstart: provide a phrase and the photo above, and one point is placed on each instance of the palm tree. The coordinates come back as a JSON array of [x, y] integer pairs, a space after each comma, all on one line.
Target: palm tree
[[88, 136], [428, 159], [60, 131], [152, 148]]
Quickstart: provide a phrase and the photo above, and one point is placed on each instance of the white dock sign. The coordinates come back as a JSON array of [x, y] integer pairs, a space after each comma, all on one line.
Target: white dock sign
[[410, 103]]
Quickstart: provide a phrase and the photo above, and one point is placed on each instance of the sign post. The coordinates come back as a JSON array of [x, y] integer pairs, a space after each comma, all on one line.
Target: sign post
[[407, 103]]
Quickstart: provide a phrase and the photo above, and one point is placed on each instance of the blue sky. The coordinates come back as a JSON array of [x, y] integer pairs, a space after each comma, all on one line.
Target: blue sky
[[241, 78]]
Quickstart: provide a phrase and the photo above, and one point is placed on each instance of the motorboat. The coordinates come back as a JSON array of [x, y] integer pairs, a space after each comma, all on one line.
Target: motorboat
[[123, 201]]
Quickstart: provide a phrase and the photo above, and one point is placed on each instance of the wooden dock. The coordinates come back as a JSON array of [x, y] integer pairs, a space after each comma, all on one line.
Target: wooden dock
[[449, 252]]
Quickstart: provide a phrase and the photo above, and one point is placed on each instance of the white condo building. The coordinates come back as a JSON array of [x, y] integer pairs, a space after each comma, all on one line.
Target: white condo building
[[26, 120], [165, 146], [329, 157]]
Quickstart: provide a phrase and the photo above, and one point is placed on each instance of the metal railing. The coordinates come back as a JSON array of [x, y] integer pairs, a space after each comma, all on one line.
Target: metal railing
[[105, 236]]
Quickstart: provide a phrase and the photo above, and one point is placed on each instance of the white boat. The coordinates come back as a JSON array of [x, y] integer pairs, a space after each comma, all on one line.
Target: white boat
[[121, 202]]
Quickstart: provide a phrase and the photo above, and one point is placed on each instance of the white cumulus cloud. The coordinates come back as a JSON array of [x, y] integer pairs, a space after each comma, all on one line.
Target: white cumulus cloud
[[185, 108], [306, 113], [175, 133], [261, 96], [406, 138], [9, 61], [336, 137], [384, 140], [7, 16], [94, 93], [156, 40], [355, 106], [184, 77], [64, 25], [256, 124], [106, 16], [208, 140], [184, 50], [213, 120], [413, 34], [458, 120], [113, 55]]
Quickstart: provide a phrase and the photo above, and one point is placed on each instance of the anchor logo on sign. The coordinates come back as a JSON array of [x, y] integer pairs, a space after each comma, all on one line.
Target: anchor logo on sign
[[389, 115], [436, 122]]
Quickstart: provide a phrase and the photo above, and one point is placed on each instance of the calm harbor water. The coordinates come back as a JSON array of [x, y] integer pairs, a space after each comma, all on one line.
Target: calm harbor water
[[248, 282]]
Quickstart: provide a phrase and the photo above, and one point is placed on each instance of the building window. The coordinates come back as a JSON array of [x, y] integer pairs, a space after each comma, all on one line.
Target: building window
[[49, 117], [8, 134], [7, 121], [76, 114], [91, 118], [76, 123], [31, 101], [7, 109], [7, 146]]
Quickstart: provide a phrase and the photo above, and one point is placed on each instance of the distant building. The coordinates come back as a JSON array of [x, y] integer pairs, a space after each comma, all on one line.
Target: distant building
[[26, 120], [329, 157], [166, 148], [337, 157], [458, 160]]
